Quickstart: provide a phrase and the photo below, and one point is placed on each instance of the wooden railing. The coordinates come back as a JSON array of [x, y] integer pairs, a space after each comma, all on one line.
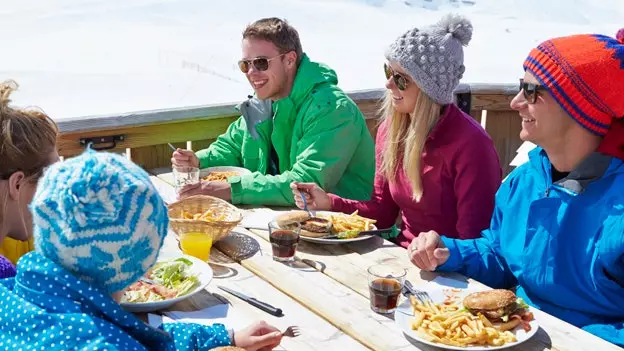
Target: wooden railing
[[144, 135]]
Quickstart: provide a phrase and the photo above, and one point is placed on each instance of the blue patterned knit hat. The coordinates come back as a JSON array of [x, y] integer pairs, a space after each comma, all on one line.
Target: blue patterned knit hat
[[99, 216]]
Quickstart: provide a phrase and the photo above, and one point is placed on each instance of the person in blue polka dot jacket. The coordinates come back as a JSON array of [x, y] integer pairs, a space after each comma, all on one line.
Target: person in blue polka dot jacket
[[98, 226]]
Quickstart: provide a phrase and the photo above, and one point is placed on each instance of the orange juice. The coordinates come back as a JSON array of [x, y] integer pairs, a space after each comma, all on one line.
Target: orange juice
[[196, 245]]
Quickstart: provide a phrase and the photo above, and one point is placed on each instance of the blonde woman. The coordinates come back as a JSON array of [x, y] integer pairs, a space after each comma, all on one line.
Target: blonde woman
[[27, 146], [435, 164]]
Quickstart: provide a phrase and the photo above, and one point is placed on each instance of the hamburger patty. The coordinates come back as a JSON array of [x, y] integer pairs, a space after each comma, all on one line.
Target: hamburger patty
[[495, 315], [316, 225]]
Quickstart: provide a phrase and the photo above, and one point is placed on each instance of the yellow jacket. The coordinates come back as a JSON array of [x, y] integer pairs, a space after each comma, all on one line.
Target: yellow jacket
[[14, 249]]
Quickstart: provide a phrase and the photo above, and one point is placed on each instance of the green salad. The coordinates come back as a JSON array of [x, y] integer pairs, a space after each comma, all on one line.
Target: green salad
[[170, 279]]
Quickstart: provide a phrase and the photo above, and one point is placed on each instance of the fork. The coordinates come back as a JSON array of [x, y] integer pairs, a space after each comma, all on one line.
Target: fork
[[292, 332], [305, 203], [423, 296]]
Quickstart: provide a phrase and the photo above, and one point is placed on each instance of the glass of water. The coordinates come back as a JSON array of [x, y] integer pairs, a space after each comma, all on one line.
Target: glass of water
[[185, 175]]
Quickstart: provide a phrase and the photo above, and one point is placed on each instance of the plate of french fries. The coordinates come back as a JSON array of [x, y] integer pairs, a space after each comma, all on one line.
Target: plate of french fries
[[446, 324], [221, 174]]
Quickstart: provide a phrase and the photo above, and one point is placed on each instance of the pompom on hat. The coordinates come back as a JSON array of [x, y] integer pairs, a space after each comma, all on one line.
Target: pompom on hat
[[99, 216], [434, 56], [585, 75]]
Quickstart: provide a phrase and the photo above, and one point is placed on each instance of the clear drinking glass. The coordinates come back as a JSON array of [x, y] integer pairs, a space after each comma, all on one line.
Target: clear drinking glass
[[284, 241], [185, 175], [385, 283]]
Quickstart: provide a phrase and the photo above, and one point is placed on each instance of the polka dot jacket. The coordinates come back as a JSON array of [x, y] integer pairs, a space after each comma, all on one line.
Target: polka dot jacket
[[47, 308]]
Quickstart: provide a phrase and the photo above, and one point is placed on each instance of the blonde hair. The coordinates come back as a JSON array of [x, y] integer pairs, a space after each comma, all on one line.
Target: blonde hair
[[405, 139], [27, 137]]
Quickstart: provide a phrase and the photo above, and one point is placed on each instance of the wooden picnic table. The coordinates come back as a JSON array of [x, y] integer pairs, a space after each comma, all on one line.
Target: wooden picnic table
[[325, 292]]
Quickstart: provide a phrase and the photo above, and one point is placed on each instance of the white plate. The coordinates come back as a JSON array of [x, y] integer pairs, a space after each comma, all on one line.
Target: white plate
[[336, 241], [403, 315], [206, 171], [199, 267]]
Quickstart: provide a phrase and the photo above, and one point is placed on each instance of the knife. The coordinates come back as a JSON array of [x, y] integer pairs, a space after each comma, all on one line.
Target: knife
[[277, 312]]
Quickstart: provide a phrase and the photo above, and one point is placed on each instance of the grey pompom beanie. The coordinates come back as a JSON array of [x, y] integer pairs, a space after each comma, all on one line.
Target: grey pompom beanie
[[434, 56]]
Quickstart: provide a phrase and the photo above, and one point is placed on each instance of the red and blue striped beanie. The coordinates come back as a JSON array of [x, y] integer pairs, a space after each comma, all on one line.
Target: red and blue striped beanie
[[585, 75]]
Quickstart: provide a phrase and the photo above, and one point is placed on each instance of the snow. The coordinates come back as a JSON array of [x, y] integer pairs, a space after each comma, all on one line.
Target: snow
[[91, 57]]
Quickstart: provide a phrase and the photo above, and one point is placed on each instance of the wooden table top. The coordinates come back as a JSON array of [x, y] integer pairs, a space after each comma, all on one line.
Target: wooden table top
[[325, 292]]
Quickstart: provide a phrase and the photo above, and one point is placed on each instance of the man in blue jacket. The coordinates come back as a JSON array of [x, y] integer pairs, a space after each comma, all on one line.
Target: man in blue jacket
[[557, 232]]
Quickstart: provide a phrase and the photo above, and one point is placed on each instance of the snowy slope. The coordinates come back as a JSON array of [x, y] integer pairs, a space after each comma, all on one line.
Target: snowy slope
[[88, 57]]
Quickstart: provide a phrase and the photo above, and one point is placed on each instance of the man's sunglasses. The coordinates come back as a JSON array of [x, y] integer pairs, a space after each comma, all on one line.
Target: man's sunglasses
[[259, 63], [399, 80], [530, 90]]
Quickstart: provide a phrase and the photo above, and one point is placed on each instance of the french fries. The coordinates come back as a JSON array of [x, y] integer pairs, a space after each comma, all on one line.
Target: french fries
[[450, 325], [219, 176], [344, 223], [208, 215]]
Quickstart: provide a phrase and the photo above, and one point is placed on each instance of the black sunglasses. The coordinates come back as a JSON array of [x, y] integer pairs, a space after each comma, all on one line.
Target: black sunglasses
[[259, 63], [399, 80], [530, 90]]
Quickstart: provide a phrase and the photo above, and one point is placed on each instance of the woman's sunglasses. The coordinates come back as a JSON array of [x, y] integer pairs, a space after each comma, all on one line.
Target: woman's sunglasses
[[530, 90], [259, 63], [399, 80]]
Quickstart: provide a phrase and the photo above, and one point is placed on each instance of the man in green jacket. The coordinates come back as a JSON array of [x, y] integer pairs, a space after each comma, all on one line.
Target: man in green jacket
[[299, 127]]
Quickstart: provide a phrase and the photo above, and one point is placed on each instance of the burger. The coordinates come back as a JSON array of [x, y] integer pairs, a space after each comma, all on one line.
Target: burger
[[497, 305], [314, 227]]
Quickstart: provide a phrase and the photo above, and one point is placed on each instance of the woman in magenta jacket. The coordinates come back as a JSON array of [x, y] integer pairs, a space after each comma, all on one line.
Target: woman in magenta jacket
[[435, 164]]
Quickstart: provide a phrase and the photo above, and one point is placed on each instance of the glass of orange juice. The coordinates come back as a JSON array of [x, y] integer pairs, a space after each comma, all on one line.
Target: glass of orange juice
[[196, 244]]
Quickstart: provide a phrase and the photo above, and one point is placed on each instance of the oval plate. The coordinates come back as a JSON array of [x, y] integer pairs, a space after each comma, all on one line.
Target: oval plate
[[403, 315], [336, 241], [204, 172], [199, 267]]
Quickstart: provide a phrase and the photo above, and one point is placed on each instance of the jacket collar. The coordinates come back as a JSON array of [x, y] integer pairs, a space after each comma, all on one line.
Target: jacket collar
[[594, 167]]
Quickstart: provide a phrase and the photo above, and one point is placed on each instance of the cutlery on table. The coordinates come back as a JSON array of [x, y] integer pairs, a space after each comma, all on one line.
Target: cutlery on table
[[277, 312]]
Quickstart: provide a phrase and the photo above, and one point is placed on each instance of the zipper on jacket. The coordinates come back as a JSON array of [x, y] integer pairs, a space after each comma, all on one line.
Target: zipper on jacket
[[547, 192]]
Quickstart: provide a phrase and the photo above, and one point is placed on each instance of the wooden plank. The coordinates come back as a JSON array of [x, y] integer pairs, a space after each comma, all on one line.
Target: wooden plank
[[201, 144], [135, 137], [370, 108], [372, 125], [491, 102], [476, 114], [504, 128], [143, 118], [317, 334], [153, 156]]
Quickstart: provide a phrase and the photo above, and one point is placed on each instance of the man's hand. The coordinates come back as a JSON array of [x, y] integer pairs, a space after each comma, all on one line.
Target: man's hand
[[184, 158], [427, 251], [222, 190]]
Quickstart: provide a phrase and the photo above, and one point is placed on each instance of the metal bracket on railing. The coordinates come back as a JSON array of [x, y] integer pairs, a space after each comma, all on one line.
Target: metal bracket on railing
[[464, 101], [106, 142]]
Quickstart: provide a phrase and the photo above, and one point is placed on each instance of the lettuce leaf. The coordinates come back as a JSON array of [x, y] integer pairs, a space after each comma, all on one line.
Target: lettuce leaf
[[522, 304], [175, 275]]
